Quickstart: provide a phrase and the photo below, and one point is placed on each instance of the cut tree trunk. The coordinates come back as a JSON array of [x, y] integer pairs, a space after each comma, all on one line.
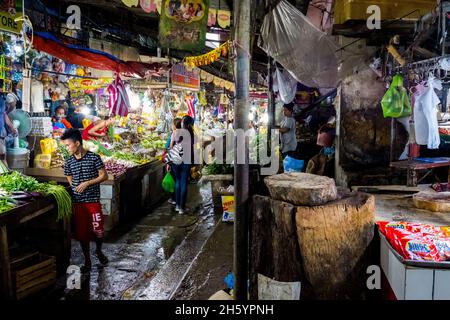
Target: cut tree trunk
[[302, 189], [274, 250], [333, 240], [432, 201]]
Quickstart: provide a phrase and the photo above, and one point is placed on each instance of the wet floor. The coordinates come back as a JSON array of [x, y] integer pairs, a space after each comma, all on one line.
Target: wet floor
[[148, 258]]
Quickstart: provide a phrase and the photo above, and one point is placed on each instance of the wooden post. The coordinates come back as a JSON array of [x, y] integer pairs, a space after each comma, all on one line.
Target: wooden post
[[5, 263], [241, 170]]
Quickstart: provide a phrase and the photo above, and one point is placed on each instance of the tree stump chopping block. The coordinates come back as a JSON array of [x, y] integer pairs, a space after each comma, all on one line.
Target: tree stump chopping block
[[302, 189], [333, 239], [274, 249]]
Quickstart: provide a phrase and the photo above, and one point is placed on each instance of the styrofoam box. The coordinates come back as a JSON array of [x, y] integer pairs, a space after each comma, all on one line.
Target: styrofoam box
[[109, 206], [106, 191]]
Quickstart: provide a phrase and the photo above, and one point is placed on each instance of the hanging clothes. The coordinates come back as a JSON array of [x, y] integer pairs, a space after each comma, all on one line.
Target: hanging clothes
[[425, 114], [118, 102]]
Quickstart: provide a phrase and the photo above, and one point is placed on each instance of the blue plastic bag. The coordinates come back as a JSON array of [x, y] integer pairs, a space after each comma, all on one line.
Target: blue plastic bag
[[293, 165]]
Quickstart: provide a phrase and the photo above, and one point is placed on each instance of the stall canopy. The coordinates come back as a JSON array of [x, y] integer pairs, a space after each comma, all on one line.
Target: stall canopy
[[96, 59]]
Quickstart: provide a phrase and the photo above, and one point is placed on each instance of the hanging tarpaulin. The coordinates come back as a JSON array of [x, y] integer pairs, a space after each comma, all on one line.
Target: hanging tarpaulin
[[118, 102], [306, 52], [183, 24]]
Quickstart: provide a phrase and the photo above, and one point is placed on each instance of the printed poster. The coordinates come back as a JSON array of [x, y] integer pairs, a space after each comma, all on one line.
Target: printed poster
[[183, 24]]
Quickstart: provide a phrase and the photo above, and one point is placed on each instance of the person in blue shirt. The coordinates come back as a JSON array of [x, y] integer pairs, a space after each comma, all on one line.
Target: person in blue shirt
[[5, 125]]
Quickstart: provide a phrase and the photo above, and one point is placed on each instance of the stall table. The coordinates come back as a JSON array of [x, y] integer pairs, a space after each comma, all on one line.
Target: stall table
[[20, 215], [412, 166]]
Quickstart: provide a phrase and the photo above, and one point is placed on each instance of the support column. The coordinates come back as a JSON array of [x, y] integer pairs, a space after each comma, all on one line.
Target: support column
[[241, 170]]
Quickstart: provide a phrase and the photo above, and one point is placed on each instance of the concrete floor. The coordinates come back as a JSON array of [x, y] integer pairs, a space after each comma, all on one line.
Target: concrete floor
[[150, 258]]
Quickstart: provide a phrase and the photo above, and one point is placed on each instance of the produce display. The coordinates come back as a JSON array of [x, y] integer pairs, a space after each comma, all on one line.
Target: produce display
[[117, 167], [59, 157], [414, 241], [26, 188]]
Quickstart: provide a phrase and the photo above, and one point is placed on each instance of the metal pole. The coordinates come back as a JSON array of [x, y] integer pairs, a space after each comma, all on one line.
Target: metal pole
[[241, 171], [271, 99]]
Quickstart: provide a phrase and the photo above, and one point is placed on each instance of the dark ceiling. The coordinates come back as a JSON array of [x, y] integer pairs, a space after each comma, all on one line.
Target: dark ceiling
[[133, 26]]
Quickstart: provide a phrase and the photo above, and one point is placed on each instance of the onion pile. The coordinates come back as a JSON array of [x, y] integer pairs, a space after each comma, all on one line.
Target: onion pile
[[117, 167]]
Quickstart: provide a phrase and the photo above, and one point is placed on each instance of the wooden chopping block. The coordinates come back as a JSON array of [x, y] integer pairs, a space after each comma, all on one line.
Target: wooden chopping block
[[302, 189], [333, 239], [432, 201]]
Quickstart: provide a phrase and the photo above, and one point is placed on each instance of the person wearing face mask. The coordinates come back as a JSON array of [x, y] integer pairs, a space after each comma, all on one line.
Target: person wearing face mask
[[60, 124]]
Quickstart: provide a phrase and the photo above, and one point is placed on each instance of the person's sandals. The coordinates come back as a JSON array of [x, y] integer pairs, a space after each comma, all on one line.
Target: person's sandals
[[102, 258]]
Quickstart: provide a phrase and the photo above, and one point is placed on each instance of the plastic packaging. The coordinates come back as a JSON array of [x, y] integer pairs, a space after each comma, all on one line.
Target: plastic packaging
[[43, 161], [48, 146], [396, 102], [293, 165], [168, 183], [291, 39]]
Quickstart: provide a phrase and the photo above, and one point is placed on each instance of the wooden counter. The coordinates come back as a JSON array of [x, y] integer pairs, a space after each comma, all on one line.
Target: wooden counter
[[27, 214]]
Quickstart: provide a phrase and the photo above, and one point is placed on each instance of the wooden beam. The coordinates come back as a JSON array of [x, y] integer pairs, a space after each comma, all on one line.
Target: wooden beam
[[5, 263]]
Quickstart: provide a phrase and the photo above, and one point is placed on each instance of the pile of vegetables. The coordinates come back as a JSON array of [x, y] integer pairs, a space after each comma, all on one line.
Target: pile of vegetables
[[117, 167], [16, 182], [129, 156], [214, 168], [7, 204]]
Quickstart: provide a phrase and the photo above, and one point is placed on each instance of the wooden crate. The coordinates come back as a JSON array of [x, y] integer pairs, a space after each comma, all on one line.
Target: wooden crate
[[33, 273]]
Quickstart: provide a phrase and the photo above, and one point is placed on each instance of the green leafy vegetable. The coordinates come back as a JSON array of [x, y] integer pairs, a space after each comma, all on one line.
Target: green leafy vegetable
[[15, 181]]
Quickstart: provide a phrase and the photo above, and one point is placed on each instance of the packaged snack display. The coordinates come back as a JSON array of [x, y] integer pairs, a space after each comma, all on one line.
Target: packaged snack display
[[415, 241]]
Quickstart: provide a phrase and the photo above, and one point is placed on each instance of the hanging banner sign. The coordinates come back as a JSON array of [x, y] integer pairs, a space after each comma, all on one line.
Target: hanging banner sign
[[224, 18], [7, 22], [181, 77], [89, 84], [183, 24]]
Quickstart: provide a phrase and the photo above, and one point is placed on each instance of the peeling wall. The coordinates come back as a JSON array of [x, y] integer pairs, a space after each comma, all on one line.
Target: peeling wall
[[364, 135]]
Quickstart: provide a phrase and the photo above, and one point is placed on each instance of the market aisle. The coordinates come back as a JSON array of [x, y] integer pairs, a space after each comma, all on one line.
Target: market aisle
[[148, 258]]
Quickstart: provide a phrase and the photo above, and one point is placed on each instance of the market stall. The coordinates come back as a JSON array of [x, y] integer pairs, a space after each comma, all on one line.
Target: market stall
[[34, 234]]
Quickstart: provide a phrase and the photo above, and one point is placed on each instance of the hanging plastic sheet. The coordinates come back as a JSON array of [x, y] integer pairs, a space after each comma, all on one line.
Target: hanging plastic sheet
[[285, 84], [308, 53]]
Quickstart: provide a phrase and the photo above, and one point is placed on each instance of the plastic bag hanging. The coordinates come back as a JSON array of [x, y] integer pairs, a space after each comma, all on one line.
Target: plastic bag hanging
[[292, 40], [118, 102], [396, 102], [285, 84]]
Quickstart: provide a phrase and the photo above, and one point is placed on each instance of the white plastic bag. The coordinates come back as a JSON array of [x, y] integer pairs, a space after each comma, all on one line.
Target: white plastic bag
[[425, 115], [285, 84]]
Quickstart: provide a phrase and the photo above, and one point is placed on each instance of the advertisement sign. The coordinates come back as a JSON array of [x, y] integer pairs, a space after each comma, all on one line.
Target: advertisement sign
[[79, 84], [183, 24], [9, 11], [181, 77]]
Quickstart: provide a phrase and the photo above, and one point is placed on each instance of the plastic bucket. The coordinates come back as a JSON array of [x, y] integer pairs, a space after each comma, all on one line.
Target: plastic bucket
[[18, 161]]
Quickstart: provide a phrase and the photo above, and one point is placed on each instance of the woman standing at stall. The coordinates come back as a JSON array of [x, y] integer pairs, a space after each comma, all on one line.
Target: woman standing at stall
[[182, 171]]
